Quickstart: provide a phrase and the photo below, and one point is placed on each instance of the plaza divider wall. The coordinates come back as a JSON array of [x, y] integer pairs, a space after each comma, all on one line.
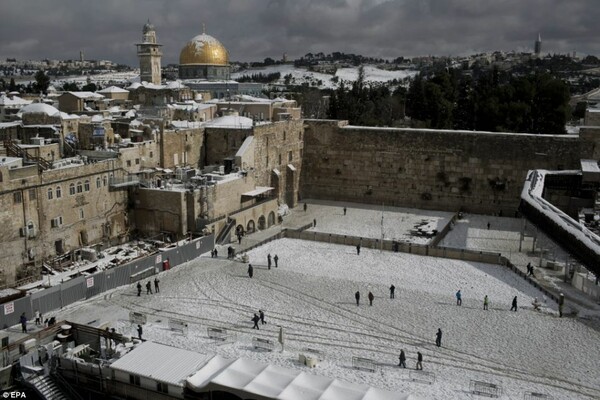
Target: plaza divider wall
[[84, 287]]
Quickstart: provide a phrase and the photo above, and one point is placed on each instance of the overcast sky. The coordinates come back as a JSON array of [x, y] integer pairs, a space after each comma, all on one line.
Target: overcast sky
[[255, 29]]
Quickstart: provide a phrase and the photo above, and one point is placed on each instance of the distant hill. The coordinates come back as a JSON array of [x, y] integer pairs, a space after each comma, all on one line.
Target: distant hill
[[300, 76]]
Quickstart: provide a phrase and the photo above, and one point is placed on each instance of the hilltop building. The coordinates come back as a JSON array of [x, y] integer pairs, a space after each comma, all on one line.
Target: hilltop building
[[149, 54], [538, 46]]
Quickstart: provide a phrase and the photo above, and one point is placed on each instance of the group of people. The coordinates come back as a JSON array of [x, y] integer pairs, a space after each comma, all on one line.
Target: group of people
[[370, 296], [402, 360], [149, 287], [486, 302], [276, 259], [258, 317], [530, 270], [38, 321]]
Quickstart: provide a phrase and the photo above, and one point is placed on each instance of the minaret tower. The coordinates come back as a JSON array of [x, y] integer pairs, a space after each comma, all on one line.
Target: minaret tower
[[538, 46], [149, 54]]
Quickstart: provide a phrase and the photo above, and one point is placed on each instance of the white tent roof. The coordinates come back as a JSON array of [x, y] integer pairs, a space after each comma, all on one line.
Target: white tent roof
[[161, 363], [113, 89], [257, 380]]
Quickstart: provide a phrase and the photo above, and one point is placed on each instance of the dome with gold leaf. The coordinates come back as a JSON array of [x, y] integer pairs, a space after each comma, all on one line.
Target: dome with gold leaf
[[204, 50]]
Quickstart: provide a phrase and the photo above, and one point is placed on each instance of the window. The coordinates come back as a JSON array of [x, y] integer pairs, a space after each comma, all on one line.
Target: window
[[72, 189], [17, 197], [104, 180], [162, 387], [58, 192], [300, 135], [56, 222], [290, 156], [50, 193], [134, 380], [151, 154], [279, 159], [32, 194], [129, 163], [98, 183], [86, 185], [81, 214], [137, 161], [284, 135]]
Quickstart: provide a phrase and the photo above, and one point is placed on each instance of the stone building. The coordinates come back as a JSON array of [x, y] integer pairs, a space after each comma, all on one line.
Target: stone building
[[149, 55], [46, 213], [74, 102], [10, 104]]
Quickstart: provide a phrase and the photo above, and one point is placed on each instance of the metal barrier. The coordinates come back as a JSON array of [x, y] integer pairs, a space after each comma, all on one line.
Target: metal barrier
[[422, 377], [217, 333], [536, 396], [263, 344], [84, 287], [364, 364], [485, 389]]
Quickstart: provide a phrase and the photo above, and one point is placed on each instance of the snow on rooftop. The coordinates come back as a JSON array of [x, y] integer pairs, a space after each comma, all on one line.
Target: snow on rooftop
[[86, 95], [14, 101], [40, 108], [162, 363], [230, 121], [113, 89]]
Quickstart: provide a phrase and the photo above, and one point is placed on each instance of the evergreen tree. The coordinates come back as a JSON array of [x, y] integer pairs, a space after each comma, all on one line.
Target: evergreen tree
[[42, 81]]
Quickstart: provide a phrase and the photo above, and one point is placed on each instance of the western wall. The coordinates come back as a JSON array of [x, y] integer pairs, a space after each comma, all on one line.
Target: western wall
[[480, 172]]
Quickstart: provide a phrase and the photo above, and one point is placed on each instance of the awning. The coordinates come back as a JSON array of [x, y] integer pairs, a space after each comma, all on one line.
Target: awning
[[258, 191], [276, 172], [291, 167]]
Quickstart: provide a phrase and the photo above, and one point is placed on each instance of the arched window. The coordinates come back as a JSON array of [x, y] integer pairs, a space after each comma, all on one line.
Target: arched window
[[58, 192], [0, 176], [50, 193], [86, 185], [72, 189], [79, 187], [104, 179], [98, 183]]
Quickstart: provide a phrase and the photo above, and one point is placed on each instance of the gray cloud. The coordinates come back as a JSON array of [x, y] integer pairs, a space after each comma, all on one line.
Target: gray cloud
[[255, 29]]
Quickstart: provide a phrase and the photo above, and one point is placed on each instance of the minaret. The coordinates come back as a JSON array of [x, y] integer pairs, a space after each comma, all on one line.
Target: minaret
[[149, 54], [538, 45]]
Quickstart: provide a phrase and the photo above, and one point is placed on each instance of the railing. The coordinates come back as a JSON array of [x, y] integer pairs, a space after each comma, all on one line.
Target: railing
[[225, 231], [13, 149]]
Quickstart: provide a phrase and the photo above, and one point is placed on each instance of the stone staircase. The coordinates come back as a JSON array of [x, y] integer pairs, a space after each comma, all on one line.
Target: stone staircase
[[47, 388], [13, 150]]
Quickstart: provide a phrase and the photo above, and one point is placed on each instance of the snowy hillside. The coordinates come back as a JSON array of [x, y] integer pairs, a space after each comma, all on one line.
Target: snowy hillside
[[321, 80]]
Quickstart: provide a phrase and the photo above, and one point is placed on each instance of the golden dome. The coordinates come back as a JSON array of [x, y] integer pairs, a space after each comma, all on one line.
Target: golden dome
[[204, 49]]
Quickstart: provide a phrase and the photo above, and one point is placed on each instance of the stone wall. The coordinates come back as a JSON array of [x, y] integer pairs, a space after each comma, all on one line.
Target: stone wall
[[181, 147], [92, 214], [221, 143], [278, 158], [429, 169], [159, 210]]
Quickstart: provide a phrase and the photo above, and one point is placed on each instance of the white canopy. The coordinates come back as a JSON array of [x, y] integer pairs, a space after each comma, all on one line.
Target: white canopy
[[249, 378]]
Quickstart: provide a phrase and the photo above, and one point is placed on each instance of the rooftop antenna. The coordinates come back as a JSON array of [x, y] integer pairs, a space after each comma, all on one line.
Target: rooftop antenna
[[203, 29]]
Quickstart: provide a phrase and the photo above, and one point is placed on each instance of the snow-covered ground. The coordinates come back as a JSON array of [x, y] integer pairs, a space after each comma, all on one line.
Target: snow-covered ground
[[348, 75], [311, 294]]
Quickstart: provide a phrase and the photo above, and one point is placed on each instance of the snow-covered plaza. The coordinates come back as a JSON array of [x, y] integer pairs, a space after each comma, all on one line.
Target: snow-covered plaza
[[311, 295]]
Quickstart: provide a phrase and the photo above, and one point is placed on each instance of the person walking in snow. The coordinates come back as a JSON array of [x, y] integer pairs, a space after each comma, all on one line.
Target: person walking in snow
[[156, 282], [536, 304], [419, 361], [261, 314], [139, 331], [139, 288], [371, 298], [148, 288], [315, 222], [358, 249], [458, 298], [305, 207], [38, 317], [250, 270], [486, 301], [216, 253], [357, 297], [23, 321], [392, 290], [438, 337], [402, 359], [255, 319], [488, 226], [344, 210], [561, 304], [514, 305], [275, 259], [269, 260]]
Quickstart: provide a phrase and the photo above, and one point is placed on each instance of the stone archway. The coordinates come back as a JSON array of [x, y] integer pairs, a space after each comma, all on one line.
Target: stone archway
[[262, 223], [250, 227], [271, 219]]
